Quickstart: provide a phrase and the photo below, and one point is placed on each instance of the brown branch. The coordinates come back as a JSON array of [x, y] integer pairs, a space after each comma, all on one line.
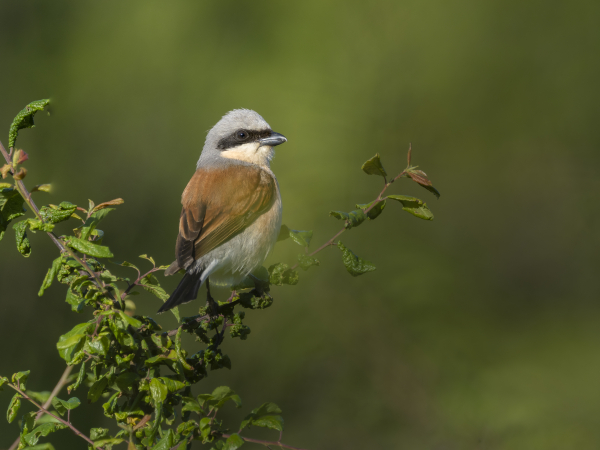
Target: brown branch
[[265, 443], [330, 242], [45, 411], [61, 383], [64, 249]]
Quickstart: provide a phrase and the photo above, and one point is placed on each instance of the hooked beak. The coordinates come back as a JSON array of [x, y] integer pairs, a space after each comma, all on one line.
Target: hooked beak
[[273, 140]]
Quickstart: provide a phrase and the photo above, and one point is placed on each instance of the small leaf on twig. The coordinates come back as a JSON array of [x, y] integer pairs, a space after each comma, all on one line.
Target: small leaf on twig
[[414, 206], [374, 211], [22, 173], [373, 166], [301, 237], [420, 177], [42, 187], [352, 219], [89, 248], [116, 201], [25, 119], [354, 265]]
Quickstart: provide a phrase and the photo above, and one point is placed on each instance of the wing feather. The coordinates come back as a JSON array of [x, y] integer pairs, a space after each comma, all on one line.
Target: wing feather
[[218, 204]]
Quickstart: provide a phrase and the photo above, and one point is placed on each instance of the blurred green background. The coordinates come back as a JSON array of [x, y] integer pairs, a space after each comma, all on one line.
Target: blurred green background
[[479, 330]]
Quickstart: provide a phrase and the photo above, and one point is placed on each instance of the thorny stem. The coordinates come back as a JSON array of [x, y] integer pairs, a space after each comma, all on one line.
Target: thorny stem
[[265, 443], [61, 383], [331, 241], [64, 249], [45, 411]]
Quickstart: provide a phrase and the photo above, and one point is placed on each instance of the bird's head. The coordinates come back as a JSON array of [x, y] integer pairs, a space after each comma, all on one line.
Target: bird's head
[[241, 134]]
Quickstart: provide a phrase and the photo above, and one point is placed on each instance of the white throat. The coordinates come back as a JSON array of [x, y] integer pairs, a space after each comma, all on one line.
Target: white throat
[[252, 153]]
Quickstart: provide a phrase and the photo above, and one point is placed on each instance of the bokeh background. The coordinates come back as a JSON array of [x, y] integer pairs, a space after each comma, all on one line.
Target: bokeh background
[[479, 330]]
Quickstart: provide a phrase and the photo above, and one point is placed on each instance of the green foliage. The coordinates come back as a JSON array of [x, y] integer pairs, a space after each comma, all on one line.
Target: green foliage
[[413, 206], [373, 166], [354, 265], [142, 373], [25, 119]]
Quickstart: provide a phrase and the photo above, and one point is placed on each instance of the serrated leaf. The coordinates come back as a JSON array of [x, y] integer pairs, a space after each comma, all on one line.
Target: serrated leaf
[[413, 206], [52, 271], [375, 211], [43, 430], [13, 408], [352, 219], [62, 406], [20, 379], [373, 166], [23, 244], [158, 390], [80, 377], [233, 442], [301, 237], [149, 258], [59, 213], [97, 389], [280, 274], [89, 248], [306, 261], [25, 119], [354, 265]]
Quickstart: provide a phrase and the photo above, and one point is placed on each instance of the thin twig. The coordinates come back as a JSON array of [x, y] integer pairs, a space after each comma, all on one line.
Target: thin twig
[[265, 443], [61, 383], [331, 241], [64, 249], [45, 411]]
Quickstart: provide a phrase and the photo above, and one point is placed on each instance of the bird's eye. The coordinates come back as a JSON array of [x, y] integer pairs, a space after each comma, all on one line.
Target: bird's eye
[[242, 135]]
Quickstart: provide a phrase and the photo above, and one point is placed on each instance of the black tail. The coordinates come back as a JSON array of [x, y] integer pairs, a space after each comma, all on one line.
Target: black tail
[[185, 292]]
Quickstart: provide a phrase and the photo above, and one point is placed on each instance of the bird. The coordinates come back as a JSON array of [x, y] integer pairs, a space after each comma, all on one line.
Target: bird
[[231, 208]]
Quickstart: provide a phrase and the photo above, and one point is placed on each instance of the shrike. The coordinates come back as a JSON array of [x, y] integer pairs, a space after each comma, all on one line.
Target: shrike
[[231, 212]]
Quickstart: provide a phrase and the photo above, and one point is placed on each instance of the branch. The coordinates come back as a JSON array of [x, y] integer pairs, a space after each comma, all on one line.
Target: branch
[[331, 241], [64, 249], [61, 383], [43, 410], [266, 443]]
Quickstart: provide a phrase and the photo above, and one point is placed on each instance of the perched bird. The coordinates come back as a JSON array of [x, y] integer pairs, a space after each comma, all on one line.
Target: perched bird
[[231, 213]]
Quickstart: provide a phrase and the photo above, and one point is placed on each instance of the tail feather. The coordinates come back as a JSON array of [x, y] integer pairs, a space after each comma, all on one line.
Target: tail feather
[[186, 291]]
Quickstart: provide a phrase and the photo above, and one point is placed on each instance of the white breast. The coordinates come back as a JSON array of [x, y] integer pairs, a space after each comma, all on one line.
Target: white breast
[[231, 262]]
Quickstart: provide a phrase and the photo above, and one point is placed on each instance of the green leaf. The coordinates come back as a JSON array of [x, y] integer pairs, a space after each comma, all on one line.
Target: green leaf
[[284, 233], [75, 301], [352, 219], [52, 272], [167, 442], [97, 389], [43, 430], [375, 211], [219, 397], [414, 206], [62, 406], [172, 385], [79, 380], [59, 213], [149, 258], [158, 390], [373, 166], [20, 379], [266, 416], [280, 274], [130, 320], [151, 284], [88, 248], [107, 443], [88, 228], [127, 381], [3, 380], [301, 237], [306, 261], [354, 265], [233, 442], [13, 408], [25, 119], [23, 244], [70, 345], [11, 207], [40, 397], [99, 433]]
